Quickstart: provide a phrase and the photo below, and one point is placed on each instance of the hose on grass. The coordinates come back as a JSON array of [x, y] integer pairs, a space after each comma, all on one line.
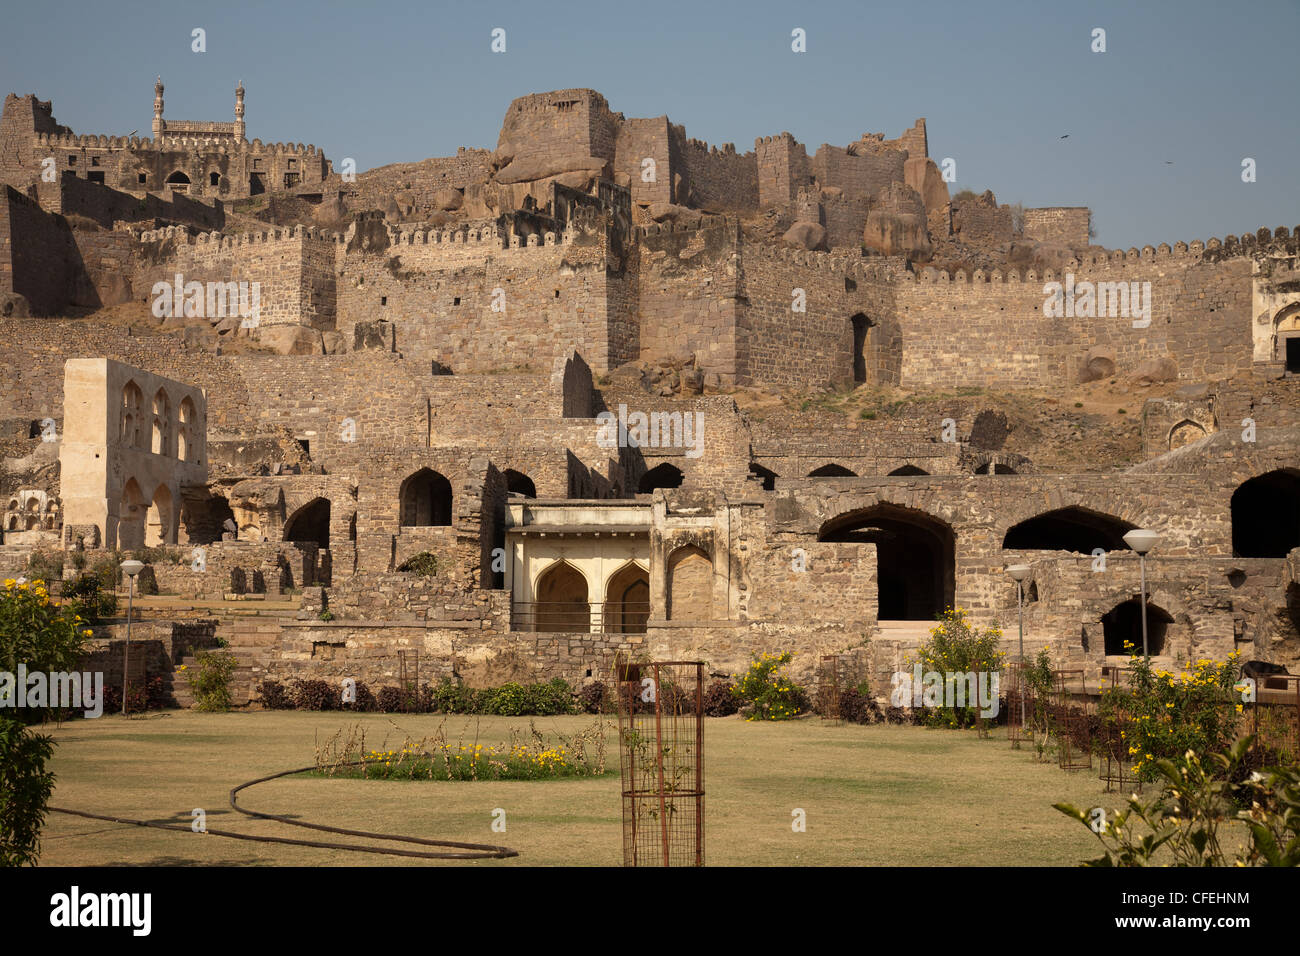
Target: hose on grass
[[453, 850]]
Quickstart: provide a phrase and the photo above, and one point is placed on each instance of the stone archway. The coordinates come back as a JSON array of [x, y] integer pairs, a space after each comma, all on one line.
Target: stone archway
[[425, 500], [1266, 515], [1122, 625], [1184, 433], [562, 604], [131, 511], [916, 558], [1076, 529], [661, 476], [310, 523], [627, 600]]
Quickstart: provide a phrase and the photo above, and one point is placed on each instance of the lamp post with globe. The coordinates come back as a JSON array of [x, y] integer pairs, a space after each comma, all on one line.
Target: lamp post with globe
[[1142, 540], [130, 569]]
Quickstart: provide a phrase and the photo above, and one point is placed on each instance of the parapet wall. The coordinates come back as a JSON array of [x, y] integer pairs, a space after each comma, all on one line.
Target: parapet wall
[[294, 266], [719, 179], [991, 330]]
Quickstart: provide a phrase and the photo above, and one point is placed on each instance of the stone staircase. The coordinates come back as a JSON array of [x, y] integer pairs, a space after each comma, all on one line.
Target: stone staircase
[[908, 633], [251, 635]]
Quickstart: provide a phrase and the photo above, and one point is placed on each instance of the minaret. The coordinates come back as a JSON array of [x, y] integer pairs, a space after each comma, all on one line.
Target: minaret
[[158, 110], [239, 112]]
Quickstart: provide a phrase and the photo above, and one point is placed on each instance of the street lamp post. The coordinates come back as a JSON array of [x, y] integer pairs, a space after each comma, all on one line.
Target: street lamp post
[[1141, 540], [1019, 572], [130, 569]]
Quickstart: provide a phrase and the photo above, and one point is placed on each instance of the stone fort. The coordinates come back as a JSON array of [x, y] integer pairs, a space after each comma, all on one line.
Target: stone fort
[[630, 392]]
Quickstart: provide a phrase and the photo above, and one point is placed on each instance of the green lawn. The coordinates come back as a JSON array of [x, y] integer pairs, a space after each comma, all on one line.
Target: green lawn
[[878, 795]]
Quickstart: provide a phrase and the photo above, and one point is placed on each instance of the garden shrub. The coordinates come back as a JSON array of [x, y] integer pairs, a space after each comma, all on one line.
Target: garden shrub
[[275, 696], [1163, 716], [389, 699], [44, 636], [316, 695], [210, 680], [858, 707], [508, 700], [25, 788], [549, 699], [453, 697], [594, 698], [957, 647], [720, 699], [152, 695], [766, 692]]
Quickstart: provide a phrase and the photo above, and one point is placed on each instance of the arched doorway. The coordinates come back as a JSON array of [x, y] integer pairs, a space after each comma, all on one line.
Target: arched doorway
[[915, 558], [562, 604], [627, 600], [690, 585], [1080, 530], [179, 182], [908, 471], [425, 499], [131, 512], [1123, 623], [661, 476], [1266, 515], [310, 523]]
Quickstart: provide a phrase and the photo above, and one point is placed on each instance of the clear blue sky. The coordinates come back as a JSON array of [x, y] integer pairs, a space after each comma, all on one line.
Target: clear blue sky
[[1196, 84]]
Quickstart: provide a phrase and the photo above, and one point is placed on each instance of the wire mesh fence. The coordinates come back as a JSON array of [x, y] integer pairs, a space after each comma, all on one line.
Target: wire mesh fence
[[661, 750]]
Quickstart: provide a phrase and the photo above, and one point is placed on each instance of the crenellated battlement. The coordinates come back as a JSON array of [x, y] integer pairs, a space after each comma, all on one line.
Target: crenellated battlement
[[188, 236], [702, 146], [217, 144], [823, 262]]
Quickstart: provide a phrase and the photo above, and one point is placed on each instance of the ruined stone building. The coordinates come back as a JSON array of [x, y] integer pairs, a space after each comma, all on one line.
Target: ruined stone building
[[541, 363]]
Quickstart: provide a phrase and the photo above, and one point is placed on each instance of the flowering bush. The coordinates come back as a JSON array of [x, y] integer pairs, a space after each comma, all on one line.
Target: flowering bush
[[45, 637], [1162, 716], [529, 755], [766, 691], [38, 633], [956, 647]]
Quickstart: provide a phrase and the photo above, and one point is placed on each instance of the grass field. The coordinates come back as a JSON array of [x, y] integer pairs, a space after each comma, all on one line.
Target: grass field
[[877, 795]]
